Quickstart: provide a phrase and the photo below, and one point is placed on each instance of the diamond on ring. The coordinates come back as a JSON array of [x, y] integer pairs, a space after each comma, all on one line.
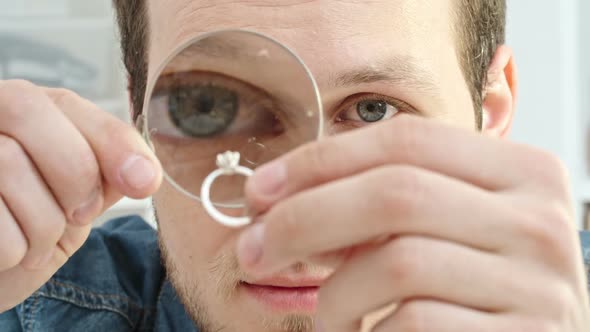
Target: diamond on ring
[[228, 161]]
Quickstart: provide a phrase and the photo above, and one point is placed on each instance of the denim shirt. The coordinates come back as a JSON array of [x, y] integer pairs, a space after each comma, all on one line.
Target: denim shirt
[[115, 282]]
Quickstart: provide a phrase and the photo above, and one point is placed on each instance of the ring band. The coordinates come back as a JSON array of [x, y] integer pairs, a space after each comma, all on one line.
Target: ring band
[[228, 164]]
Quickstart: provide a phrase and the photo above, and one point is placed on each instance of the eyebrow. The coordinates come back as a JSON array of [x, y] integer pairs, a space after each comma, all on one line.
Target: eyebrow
[[214, 47], [397, 70], [225, 48]]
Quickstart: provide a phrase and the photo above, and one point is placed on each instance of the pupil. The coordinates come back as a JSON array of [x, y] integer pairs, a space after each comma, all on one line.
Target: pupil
[[206, 104]]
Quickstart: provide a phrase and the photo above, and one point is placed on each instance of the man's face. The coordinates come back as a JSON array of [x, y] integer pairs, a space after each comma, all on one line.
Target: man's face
[[411, 38]]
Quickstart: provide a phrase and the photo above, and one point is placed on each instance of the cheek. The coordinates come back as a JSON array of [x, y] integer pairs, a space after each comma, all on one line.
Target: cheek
[[464, 119], [189, 234]]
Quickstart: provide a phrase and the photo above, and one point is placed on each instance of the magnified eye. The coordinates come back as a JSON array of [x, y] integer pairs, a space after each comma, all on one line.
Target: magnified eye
[[203, 111], [198, 105]]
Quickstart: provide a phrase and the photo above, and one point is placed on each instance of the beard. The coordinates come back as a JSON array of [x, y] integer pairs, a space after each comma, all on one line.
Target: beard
[[224, 278]]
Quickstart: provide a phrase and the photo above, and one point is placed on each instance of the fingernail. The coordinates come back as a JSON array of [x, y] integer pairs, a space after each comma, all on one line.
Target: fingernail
[[87, 210], [250, 245], [44, 261], [269, 179], [138, 172]]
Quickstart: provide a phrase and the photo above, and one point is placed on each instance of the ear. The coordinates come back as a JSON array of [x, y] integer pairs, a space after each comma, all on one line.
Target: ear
[[500, 92]]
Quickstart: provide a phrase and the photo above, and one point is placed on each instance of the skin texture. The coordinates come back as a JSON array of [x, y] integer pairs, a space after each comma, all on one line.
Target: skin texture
[[425, 224]]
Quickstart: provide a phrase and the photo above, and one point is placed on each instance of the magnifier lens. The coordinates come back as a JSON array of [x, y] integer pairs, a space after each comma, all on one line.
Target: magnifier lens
[[229, 91]]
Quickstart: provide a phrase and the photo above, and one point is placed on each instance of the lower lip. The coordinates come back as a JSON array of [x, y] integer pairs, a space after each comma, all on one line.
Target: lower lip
[[285, 299]]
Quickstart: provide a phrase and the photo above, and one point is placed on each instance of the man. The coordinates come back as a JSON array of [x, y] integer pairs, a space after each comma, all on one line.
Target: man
[[429, 222]]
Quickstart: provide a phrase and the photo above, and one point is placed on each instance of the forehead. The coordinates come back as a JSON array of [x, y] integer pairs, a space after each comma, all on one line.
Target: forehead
[[331, 36], [314, 29]]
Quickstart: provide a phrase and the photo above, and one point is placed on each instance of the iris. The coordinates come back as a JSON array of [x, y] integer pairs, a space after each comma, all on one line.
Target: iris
[[372, 110], [203, 111]]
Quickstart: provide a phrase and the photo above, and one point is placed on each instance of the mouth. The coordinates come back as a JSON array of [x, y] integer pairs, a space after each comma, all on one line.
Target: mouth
[[284, 294]]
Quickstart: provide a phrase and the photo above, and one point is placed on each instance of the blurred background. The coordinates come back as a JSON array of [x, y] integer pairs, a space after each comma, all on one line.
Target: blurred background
[[74, 44]]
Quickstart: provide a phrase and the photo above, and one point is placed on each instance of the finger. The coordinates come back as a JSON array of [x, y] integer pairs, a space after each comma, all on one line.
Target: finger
[[17, 292], [430, 315], [127, 163], [13, 243], [418, 267], [460, 154], [31, 202], [72, 239], [60, 153], [389, 201]]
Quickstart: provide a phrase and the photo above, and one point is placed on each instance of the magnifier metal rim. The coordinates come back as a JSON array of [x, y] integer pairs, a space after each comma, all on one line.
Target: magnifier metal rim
[[143, 118]]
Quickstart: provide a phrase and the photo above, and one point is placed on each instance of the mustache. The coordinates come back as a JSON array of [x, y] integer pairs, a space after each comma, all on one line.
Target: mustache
[[225, 274], [225, 269]]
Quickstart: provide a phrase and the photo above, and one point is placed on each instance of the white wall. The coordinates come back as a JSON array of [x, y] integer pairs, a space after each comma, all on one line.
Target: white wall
[[539, 59], [552, 111]]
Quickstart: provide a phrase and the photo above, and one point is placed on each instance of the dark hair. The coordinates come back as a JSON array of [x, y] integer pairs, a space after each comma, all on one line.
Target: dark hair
[[479, 24], [480, 27]]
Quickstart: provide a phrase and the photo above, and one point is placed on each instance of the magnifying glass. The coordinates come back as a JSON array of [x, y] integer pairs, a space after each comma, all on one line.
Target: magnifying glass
[[223, 104]]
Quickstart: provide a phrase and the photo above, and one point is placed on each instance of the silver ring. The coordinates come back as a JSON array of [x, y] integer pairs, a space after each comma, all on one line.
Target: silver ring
[[229, 164]]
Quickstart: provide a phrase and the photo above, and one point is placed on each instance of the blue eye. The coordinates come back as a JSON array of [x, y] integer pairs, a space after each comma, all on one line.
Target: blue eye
[[370, 110]]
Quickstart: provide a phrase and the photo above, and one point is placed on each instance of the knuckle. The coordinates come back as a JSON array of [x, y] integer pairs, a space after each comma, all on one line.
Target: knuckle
[[16, 100], [85, 175], [562, 302], [553, 165], [72, 241], [536, 230], [559, 218], [410, 317], [396, 189], [87, 170], [550, 229], [49, 230], [12, 253], [403, 265], [11, 154], [88, 165], [63, 96], [548, 168]]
